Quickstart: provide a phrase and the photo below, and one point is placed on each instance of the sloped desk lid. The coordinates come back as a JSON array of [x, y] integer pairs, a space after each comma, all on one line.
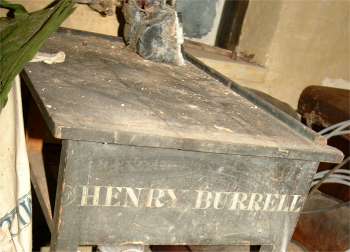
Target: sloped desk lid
[[105, 93]]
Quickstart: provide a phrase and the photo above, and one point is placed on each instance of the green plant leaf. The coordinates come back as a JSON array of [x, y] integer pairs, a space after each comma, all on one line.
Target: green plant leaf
[[22, 35]]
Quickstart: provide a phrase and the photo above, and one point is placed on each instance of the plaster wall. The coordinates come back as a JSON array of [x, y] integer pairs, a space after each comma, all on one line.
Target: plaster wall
[[300, 43], [258, 29], [83, 17]]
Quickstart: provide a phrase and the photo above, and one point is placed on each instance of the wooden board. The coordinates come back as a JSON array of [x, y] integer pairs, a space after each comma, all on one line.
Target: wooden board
[[112, 194], [105, 93]]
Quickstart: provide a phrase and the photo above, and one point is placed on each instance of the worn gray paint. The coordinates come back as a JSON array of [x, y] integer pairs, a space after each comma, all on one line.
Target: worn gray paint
[[130, 123], [106, 165], [105, 93]]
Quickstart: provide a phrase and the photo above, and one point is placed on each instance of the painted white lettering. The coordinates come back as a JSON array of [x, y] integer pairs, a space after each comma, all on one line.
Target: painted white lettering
[[281, 203], [238, 202], [255, 200], [132, 196], [154, 198], [112, 196], [220, 200], [95, 196], [207, 201], [269, 203], [295, 201], [173, 198]]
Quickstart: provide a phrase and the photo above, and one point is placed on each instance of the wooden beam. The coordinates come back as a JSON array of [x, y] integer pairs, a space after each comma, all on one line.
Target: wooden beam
[[243, 248], [38, 177]]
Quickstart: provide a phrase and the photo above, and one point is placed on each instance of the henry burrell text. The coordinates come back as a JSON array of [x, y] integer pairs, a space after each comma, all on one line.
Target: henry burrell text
[[128, 197]]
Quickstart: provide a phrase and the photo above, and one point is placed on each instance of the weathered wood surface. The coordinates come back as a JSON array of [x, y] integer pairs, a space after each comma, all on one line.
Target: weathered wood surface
[[220, 248], [105, 93], [35, 129], [39, 182], [112, 194]]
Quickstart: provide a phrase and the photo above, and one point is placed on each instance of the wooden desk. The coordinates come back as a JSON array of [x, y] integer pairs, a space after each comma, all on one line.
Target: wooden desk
[[158, 154]]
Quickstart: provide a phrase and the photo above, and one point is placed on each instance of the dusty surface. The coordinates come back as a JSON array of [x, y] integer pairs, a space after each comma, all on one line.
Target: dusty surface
[[105, 93]]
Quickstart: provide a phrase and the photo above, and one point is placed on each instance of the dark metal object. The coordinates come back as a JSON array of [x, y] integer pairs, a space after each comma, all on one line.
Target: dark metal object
[[160, 154], [321, 107], [319, 183], [324, 106]]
